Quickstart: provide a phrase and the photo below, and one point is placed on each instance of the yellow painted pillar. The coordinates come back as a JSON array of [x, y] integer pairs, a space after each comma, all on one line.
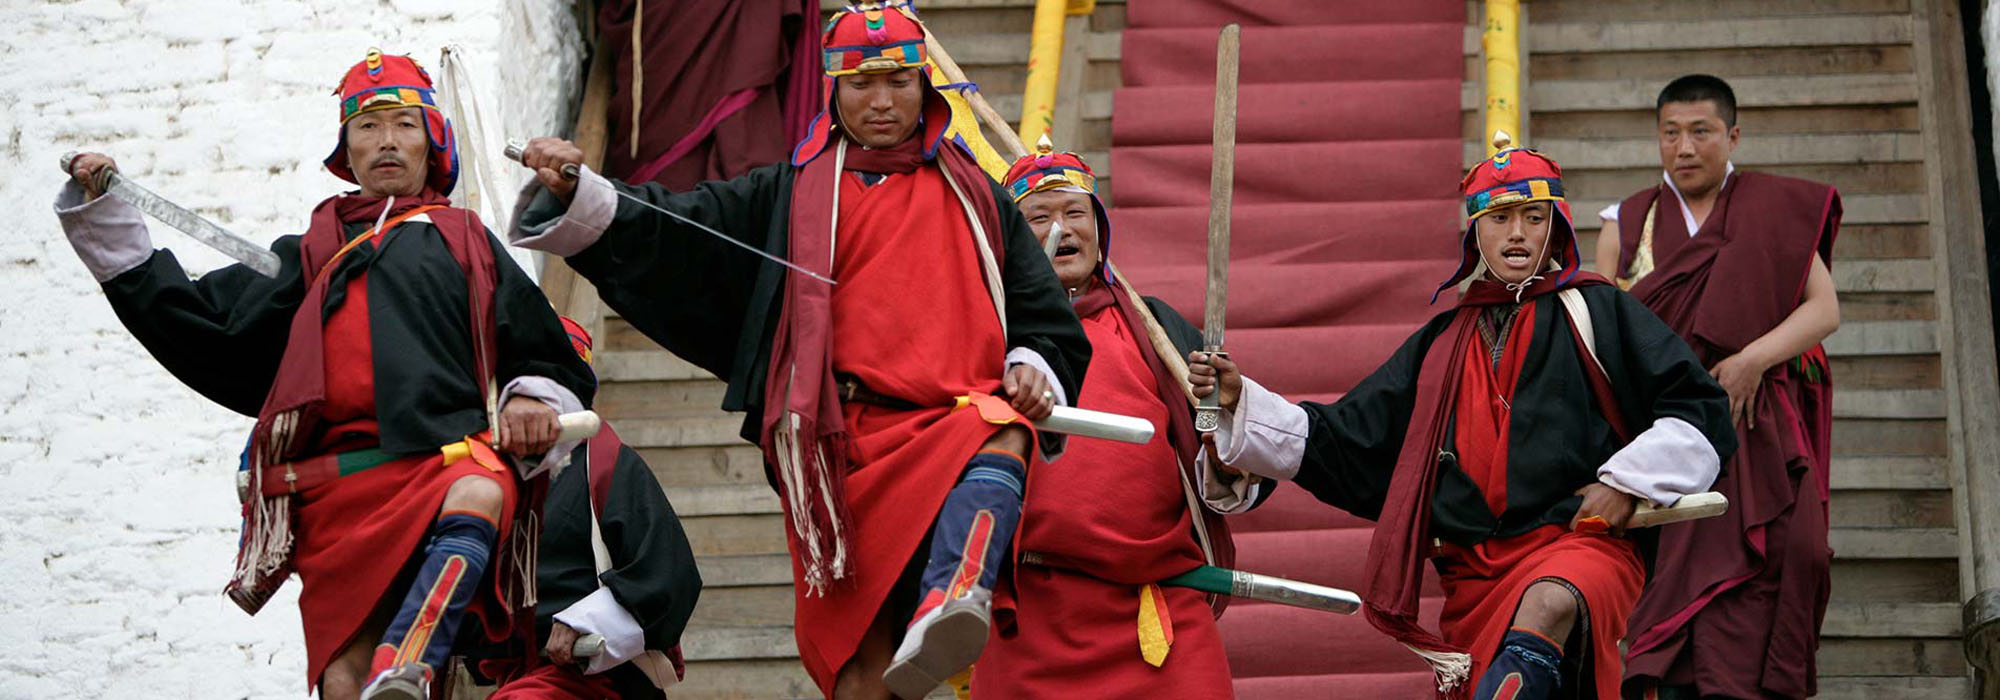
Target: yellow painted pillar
[[1038, 101], [1500, 41]]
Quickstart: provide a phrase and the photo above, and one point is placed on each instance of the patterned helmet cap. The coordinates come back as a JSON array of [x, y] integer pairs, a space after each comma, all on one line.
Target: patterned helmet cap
[[1045, 170], [873, 38], [1513, 177], [381, 82]]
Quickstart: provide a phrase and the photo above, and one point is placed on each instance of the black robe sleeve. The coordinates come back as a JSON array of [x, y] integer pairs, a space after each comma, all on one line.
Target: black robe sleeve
[[532, 341], [1352, 444], [682, 287], [1039, 315], [222, 334], [1655, 374], [653, 573]]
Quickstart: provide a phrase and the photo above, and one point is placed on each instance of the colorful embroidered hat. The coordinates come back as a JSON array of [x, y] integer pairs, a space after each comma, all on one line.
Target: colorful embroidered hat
[[1045, 170], [392, 82], [874, 38], [1513, 177]]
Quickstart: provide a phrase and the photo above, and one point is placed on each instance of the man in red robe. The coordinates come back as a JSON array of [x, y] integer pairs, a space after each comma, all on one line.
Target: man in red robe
[[1507, 442], [876, 399], [1109, 521], [376, 362], [1737, 263]]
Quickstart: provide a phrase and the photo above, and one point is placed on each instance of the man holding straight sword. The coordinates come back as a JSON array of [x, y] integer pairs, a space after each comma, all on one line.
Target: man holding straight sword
[[1509, 442], [381, 356], [889, 368]]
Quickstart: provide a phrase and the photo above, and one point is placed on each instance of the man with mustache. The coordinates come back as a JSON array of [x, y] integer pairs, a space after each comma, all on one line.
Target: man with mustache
[[891, 407], [376, 362], [1091, 563], [1737, 264], [1508, 441]]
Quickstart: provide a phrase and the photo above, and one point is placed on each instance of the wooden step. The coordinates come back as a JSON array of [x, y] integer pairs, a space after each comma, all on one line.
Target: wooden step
[[1884, 338], [1856, 473], [1884, 619], [1892, 508], [729, 535], [1756, 150], [736, 464], [1888, 437], [1730, 33], [1889, 403], [1600, 11], [1905, 688], [713, 430], [1894, 543], [634, 399], [1011, 49], [725, 499], [1891, 657], [721, 571], [729, 643], [743, 606], [1611, 94], [645, 365]]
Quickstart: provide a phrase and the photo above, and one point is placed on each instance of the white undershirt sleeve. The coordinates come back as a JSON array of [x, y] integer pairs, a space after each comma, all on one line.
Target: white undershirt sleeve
[[1669, 460]]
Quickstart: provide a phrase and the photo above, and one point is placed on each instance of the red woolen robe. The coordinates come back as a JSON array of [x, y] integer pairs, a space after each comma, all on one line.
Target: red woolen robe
[[1483, 584], [353, 534], [1739, 613], [912, 319], [1107, 518]]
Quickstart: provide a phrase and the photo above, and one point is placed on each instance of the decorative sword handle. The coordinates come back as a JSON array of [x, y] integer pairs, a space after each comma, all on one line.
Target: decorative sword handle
[[103, 180], [517, 147], [1208, 413]]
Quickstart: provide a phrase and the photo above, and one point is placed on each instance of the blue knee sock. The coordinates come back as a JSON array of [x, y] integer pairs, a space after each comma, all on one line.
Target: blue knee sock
[[427, 624], [975, 528], [1528, 667]]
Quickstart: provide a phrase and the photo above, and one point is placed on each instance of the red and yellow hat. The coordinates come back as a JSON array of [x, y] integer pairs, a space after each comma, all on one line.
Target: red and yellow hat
[[1046, 170], [874, 38], [381, 82], [579, 339], [1513, 177]]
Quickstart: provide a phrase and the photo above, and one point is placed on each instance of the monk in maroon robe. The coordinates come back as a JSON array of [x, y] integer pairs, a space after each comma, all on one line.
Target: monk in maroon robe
[[1737, 264], [1102, 527]]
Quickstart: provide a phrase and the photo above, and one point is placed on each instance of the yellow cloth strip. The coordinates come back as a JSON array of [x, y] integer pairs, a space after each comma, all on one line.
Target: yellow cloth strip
[[1045, 45], [1155, 637], [1501, 41], [960, 684], [965, 126]]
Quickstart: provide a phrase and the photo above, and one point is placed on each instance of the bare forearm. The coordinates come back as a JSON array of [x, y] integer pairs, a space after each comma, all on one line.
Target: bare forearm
[[1607, 250], [1817, 316]]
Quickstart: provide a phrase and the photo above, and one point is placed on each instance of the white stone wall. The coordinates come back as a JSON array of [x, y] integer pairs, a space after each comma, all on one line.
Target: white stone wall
[[119, 520]]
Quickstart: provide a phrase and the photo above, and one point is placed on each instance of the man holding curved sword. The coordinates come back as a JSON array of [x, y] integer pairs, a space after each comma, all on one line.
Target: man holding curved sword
[[393, 349]]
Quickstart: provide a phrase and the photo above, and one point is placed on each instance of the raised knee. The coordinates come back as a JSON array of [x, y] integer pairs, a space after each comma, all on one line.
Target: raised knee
[[475, 493], [1547, 607]]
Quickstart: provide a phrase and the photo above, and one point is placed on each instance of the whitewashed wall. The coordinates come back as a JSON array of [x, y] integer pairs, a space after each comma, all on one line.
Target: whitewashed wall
[[118, 518]]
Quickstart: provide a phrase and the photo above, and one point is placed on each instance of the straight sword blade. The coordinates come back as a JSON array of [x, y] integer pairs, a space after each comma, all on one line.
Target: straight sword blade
[[196, 226], [1221, 190]]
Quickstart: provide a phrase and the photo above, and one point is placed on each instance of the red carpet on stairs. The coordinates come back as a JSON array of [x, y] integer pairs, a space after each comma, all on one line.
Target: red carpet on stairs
[[1346, 212]]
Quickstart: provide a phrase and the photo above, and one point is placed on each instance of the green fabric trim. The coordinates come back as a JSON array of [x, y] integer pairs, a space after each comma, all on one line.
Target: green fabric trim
[[362, 460]]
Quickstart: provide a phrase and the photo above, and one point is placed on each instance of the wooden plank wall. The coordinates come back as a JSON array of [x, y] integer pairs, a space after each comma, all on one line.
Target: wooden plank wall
[[1829, 90]]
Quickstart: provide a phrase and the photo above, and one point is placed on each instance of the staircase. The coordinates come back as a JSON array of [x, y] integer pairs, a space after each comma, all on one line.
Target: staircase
[[1828, 91]]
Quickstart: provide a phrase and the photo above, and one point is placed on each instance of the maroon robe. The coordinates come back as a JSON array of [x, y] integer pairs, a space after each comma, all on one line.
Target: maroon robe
[[1736, 603], [726, 86]]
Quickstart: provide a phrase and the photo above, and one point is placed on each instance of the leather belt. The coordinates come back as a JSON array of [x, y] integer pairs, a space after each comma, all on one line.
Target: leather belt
[[851, 390]]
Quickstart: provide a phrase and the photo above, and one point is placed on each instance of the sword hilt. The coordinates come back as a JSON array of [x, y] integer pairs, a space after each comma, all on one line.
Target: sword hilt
[[1208, 411], [516, 148], [102, 182]]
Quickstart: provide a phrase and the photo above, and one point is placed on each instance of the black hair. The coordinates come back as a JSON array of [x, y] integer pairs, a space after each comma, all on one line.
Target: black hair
[[1697, 88]]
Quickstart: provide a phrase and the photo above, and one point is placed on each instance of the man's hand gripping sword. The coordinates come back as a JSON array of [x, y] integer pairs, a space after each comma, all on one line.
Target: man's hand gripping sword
[[108, 181], [516, 147]]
